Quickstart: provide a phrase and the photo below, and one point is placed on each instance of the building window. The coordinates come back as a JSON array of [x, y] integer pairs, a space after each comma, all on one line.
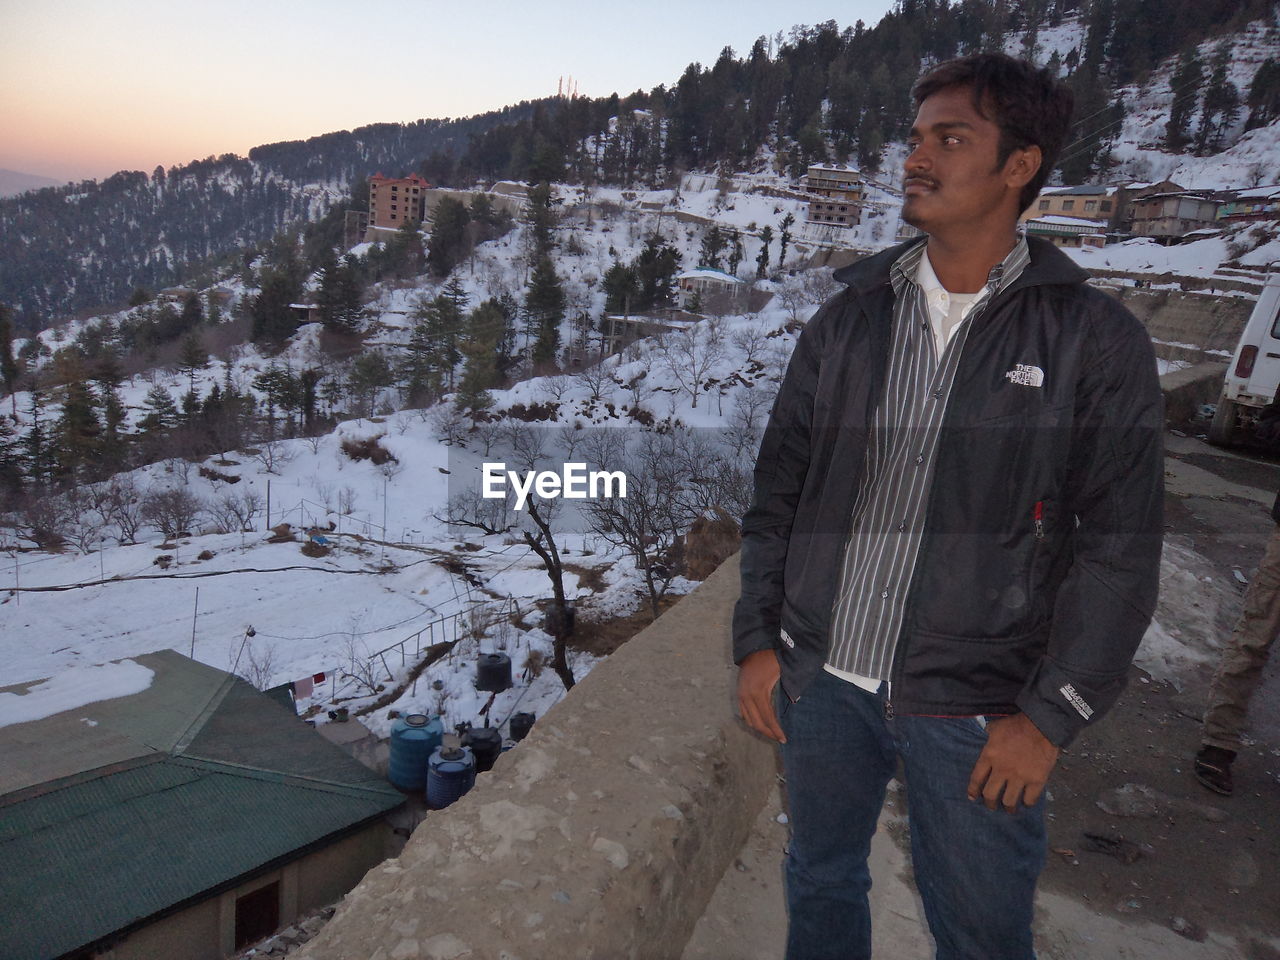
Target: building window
[[1068, 204], [1091, 205], [1106, 206], [393, 216], [1044, 204]]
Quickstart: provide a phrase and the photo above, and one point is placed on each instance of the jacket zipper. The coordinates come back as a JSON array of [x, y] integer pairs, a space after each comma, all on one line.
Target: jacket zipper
[[896, 668]]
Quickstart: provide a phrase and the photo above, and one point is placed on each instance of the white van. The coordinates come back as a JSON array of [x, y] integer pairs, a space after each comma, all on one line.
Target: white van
[[1254, 373]]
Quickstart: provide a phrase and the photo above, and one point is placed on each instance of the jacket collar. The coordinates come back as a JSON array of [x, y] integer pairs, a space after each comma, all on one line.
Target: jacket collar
[[1048, 265]]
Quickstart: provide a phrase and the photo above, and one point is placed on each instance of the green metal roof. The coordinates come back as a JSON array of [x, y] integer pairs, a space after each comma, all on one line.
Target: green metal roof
[[238, 784]]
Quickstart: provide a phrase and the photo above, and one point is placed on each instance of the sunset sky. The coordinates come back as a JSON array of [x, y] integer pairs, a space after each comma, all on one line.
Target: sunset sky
[[89, 88]]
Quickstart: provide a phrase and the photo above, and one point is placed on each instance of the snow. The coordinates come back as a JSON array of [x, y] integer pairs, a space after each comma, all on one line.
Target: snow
[[397, 577], [74, 688]]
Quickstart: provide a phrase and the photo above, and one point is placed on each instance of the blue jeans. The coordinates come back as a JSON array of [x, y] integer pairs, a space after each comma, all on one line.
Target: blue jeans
[[975, 868]]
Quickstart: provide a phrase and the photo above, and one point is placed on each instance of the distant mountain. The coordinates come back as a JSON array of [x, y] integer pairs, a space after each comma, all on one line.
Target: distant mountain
[[14, 182], [1149, 103]]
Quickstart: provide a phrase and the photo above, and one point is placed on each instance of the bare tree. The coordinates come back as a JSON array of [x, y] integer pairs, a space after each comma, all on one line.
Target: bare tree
[[44, 520], [596, 379], [274, 454], [557, 386], [123, 504], [174, 511], [690, 358], [648, 523], [234, 512], [450, 426]]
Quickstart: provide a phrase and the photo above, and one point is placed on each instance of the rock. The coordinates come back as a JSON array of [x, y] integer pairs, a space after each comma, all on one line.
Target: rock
[[1113, 846], [1186, 928]]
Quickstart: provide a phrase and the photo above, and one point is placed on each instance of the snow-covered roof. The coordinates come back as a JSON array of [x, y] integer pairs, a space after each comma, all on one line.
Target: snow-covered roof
[[835, 168], [1258, 193], [706, 273], [1084, 190], [1057, 221]]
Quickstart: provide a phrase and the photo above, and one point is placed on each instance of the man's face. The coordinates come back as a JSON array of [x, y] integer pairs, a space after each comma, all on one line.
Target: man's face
[[951, 178]]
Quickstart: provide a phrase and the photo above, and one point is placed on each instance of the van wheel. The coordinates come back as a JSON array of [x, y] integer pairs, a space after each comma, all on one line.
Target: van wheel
[[1223, 427]]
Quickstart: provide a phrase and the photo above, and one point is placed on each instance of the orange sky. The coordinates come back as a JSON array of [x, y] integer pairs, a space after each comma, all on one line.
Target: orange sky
[[90, 88]]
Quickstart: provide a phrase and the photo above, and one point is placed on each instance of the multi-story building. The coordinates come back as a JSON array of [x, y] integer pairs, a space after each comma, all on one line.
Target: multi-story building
[[1067, 231], [393, 200], [1256, 203], [707, 288], [836, 193], [1168, 216], [1085, 202]]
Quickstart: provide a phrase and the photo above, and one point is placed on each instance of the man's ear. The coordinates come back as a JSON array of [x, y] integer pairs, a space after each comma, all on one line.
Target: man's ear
[[1022, 165]]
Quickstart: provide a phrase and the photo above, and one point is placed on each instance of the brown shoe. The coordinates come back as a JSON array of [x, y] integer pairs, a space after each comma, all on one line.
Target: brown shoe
[[1213, 769]]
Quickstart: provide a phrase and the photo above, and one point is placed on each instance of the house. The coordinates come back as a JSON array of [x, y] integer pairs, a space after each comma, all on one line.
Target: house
[[619, 331], [1086, 202], [393, 200], [1167, 216], [184, 815], [835, 194], [1129, 193], [1256, 203], [703, 286], [1067, 231]]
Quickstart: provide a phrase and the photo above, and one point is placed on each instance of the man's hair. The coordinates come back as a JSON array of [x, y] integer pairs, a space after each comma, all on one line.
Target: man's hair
[[1029, 105]]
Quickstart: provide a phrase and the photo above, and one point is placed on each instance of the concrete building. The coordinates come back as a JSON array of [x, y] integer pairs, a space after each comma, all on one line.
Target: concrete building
[[1067, 231], [704, 285], [836, 193], [1129, 194], [619, 331], [185, 821], [1085, 202], [1254, 204], [1168, 216], [393, 200]]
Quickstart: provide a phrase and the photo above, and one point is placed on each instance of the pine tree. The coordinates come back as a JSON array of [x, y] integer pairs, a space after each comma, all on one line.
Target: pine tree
[[36, 447], [9, 367], [713, 242], [370, 373], [784, 238], [448, 242], [1264, 96], [735, 250], [1221, 104], [77, 431], [192, 358], [544, 310], [762, 258], [192, 315], [1186, 88]]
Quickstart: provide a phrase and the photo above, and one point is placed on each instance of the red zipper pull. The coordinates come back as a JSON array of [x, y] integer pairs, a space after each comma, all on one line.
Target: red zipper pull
[[1039, 518]]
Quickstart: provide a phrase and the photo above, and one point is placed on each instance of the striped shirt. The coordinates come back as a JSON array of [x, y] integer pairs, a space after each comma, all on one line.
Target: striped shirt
[[889, 511]]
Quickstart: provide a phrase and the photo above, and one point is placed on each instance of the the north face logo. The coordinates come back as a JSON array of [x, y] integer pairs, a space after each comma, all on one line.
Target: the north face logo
[[1026, 375]]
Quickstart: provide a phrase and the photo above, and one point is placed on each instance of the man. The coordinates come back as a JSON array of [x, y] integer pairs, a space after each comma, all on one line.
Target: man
[[954, 545], [1245, 655]]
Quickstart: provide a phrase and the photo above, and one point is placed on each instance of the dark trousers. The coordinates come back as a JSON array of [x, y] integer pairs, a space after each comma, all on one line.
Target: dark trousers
[[976, 869]]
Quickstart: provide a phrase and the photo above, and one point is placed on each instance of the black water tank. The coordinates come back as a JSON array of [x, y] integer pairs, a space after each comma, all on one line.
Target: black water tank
[[493, 672], [521, 724], [486, 744]]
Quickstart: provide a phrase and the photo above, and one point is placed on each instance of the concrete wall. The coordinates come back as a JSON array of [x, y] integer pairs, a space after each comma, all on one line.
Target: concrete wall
[[1203, 321], [603, 834]]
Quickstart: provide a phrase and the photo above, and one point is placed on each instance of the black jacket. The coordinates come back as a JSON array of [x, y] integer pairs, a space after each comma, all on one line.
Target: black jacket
[[1039, 567]]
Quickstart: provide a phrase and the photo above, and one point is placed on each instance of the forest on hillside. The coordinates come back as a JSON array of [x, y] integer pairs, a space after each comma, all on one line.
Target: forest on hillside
[[818, 93]]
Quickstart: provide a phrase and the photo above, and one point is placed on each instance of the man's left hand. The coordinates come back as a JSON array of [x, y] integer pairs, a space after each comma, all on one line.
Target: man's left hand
[[1014, 765]]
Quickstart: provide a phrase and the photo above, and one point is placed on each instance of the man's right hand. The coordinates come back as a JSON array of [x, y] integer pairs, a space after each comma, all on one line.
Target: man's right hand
[[758, 674]]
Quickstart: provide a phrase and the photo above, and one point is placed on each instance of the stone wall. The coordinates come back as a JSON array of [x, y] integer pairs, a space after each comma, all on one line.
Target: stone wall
[[603, 834]]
